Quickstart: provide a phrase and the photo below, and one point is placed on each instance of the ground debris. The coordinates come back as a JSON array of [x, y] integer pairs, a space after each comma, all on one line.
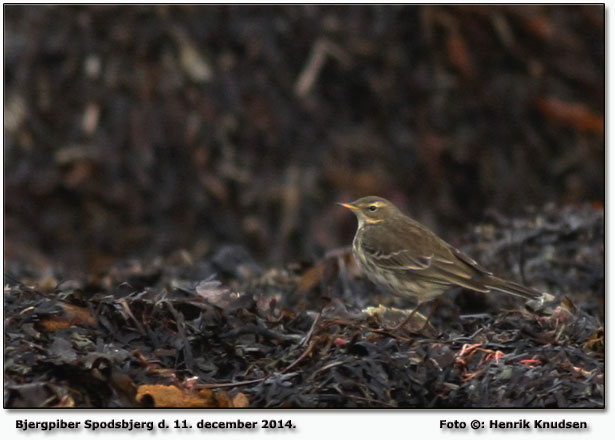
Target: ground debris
[[162, 333]]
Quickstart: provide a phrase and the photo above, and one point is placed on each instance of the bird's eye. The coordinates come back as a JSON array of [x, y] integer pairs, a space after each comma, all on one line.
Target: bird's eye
[[373, 208]]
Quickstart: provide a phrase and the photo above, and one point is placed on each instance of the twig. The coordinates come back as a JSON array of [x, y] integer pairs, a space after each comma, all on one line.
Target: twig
[[232, 384], [326, 367], [300, 358], [267, 333], [126, 307], [321, 49], [307, 337], [254, 381]]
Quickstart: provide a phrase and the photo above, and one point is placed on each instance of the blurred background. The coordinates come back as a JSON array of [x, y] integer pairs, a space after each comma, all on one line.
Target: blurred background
[[140, 130]]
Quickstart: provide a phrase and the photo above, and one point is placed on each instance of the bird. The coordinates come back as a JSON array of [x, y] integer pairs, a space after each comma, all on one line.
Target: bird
[[406, 258]]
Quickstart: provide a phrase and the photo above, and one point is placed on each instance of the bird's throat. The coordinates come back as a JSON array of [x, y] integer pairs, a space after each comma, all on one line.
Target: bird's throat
[[368, 221]]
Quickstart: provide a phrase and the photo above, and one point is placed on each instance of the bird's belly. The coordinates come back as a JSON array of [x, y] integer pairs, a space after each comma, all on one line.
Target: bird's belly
[[407, 287], [404, 285]]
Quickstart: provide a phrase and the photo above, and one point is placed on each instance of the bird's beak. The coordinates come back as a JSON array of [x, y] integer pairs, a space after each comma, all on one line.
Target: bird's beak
[[349, 206]]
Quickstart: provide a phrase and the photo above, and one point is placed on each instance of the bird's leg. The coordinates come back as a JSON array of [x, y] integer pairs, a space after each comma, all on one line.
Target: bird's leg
[[407, 319], [434, 307]]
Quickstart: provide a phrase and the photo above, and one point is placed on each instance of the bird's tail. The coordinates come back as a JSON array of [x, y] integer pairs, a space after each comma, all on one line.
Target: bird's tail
[[513, 288]]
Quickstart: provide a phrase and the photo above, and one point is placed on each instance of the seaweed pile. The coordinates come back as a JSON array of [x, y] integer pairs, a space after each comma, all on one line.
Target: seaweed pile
[[220, 330], [134, 130]]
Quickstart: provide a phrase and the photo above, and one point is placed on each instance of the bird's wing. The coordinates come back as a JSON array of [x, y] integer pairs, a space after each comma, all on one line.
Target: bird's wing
[[403, 259], [408, 246], [458, 269], [419, 250], [464, 258]]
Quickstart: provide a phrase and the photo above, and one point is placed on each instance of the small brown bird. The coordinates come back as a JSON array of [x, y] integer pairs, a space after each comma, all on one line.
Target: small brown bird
[[400, 254]]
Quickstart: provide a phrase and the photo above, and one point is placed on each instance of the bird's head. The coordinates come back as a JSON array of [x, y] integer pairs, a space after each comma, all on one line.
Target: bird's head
[[372, 209]]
